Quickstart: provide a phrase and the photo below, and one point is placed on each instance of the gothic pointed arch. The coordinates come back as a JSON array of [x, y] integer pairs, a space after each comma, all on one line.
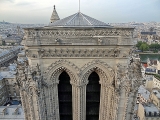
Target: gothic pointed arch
[[56, 68], [53, 77], [105, 72], [107, 103]]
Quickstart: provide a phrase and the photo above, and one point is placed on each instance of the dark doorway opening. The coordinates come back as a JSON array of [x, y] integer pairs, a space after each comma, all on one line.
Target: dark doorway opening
[[93, 97], [65, 97]]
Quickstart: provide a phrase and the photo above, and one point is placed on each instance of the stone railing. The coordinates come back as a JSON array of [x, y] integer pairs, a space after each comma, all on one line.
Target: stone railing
[[79, 32], [106, 36]]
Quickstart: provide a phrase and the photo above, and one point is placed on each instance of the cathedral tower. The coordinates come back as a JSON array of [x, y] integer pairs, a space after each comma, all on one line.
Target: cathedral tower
[[78, 68]]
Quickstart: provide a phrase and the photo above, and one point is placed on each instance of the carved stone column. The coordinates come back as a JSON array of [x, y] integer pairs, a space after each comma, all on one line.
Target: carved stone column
[[79, 102], [103, 102], [56, 102], [107, 104], [53, 100], [31, 107], [43, 108], [112, 104], [122, 105], [33, 104], [25, 105], [35, 99], [49, 103]]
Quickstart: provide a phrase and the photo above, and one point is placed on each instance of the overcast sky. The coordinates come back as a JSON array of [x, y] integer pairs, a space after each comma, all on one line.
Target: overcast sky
[[108, 11]]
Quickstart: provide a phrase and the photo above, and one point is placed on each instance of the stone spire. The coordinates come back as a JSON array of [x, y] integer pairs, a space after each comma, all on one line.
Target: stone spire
[[54, 16]]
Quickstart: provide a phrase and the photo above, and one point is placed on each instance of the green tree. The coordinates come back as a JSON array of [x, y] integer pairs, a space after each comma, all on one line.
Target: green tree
[[139, 44], [144, 47], [154, 47]]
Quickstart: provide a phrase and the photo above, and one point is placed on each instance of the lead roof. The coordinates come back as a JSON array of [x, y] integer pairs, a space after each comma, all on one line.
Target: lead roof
[[78, 20]]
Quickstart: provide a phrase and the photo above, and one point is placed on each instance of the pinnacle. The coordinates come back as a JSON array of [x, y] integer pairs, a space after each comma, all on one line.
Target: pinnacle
[[54, 16]]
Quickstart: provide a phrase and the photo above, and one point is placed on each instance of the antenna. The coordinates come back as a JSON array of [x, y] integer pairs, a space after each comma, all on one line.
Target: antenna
[[79, 5]]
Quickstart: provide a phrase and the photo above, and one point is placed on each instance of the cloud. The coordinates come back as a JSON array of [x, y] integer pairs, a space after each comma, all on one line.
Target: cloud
[[25, 3], [12, 1], [41, 9]]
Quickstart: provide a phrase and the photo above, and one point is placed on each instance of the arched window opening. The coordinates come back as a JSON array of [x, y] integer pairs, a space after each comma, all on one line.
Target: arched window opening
[[65, 97], [93, 97]]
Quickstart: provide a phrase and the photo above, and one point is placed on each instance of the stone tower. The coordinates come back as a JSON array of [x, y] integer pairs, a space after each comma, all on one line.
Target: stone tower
[[78, 68]]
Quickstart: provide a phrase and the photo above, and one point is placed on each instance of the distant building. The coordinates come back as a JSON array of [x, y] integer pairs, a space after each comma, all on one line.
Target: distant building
[[10, 84], [151, 67], [13, 40], [140, 114], [151, 70], [147, 112], [155, 97], [149, 37], [143, 95], [151, 112], [9, 90], [3, 91], [153, 63], [148, 109], [152, 82], [13, 112], [8, 56]]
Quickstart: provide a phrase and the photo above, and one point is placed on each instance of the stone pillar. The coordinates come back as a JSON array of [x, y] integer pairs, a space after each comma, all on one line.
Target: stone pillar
[[49, 103], [53, 103], [112, 104], [122, 105], [33, 104], [79, 102], [43, 104], [51, 109], [56, 102], [107, 104], [35, 99], [103, 102], [24, 105], [31, 107], [27, 106]]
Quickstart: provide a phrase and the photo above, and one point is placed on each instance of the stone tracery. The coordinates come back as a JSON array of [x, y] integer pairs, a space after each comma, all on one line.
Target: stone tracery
[[50, 33], [105, 72], [81, 83], [55, 69]]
